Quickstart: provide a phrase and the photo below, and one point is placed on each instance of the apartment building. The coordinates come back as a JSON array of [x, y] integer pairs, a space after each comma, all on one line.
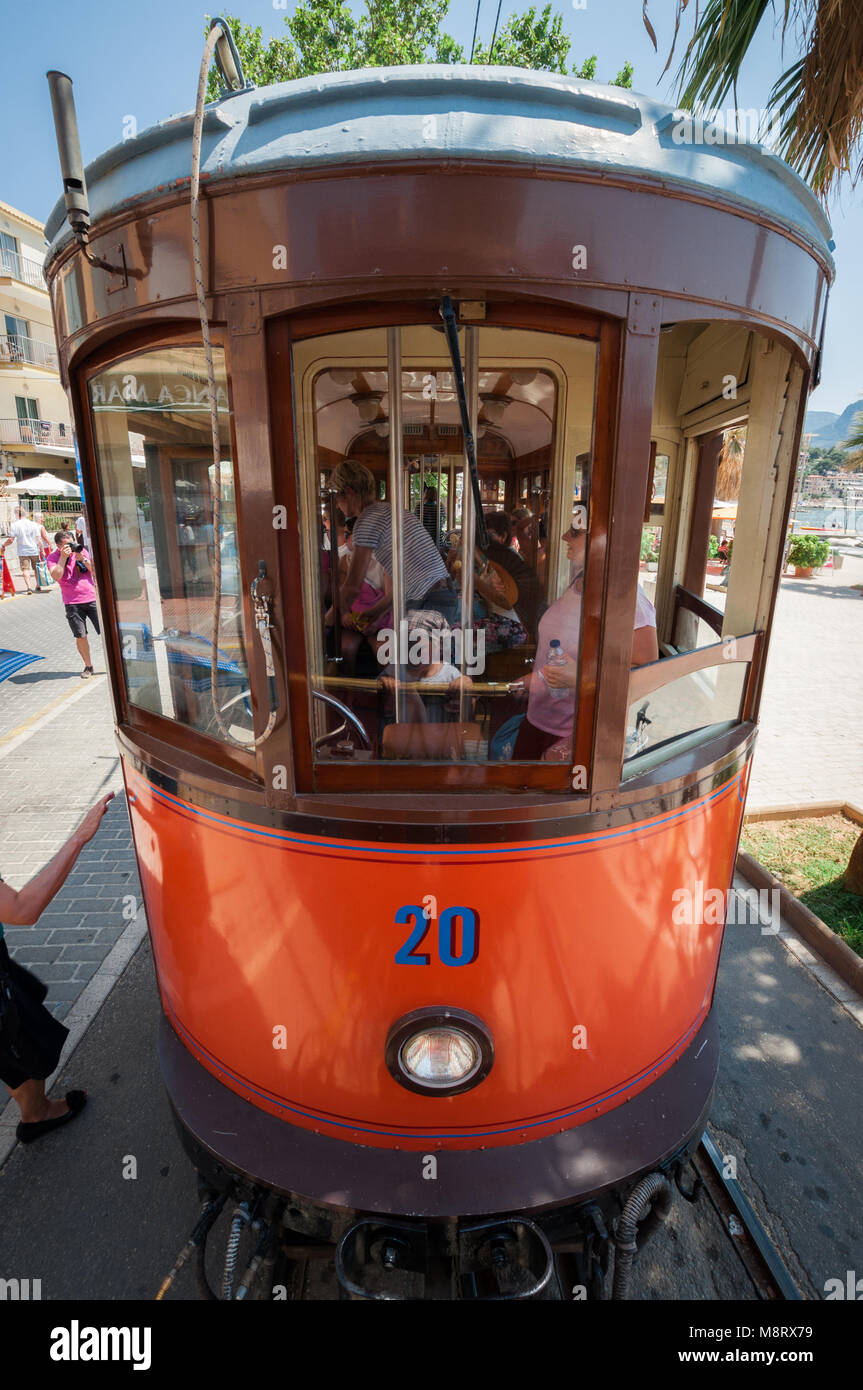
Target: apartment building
[[35, 427]]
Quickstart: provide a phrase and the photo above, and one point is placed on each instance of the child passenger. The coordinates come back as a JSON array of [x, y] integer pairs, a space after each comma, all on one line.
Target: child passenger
[[429, 642]]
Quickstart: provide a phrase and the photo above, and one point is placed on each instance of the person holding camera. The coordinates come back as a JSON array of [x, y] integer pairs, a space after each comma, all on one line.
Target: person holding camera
[[71, 567]]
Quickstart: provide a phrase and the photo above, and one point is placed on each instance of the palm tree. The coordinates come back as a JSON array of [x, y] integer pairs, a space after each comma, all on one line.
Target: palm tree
[[730, 469], [818, 99], [853, 462]]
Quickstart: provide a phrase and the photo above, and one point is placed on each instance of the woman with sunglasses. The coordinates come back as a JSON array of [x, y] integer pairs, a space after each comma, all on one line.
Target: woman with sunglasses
[[546, 731]]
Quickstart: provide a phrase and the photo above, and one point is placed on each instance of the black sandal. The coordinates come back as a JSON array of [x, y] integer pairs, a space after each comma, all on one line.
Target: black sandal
[[26, 1133]]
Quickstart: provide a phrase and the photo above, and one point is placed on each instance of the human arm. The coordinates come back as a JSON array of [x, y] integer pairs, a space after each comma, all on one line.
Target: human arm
[[360, 557], [460, 683], [58, 570], [24, 907], [521, 687]]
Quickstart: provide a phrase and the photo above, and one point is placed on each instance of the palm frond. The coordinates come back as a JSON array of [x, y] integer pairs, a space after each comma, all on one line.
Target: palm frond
[[818, 99], [855, 438], [730, 471]]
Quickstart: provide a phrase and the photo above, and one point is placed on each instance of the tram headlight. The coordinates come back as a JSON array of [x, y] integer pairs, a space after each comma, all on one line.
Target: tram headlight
[[439, 1051]]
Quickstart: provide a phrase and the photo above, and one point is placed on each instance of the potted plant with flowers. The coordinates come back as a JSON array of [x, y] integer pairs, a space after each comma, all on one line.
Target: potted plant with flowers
[[807, 553]]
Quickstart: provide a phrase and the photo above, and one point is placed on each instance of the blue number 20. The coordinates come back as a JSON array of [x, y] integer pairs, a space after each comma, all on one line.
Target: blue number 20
[[407, 954]]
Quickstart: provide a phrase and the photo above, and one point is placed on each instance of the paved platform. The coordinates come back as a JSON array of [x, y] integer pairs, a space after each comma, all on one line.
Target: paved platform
[[810, 742], [57, 757]]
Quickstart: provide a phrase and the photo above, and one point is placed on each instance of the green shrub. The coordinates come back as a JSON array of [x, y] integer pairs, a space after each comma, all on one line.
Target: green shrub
[[808, 552], [648, 541], [712, 546]]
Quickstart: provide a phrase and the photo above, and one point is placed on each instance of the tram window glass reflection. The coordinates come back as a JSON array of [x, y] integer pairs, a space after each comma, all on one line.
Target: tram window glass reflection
[[151, 421], [458, 682], [686, 711]]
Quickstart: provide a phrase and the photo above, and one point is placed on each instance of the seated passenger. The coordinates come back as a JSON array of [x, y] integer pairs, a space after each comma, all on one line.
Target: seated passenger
[[529, 604], [495, 594], [547, 729], [429, 643]]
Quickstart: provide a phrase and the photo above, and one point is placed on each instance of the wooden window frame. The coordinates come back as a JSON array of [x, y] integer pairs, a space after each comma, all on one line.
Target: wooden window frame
[[151, 338], [442, 777]]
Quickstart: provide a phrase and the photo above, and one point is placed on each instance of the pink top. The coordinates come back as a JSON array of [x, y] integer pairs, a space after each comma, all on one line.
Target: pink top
[[74, 587], [563, 621]]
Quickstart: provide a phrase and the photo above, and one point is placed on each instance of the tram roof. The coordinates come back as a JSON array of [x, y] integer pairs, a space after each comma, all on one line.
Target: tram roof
[[509, 115]]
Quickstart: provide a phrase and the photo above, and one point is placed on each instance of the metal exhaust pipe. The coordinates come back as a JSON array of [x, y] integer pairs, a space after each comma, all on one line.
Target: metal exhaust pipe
[[69, 149]]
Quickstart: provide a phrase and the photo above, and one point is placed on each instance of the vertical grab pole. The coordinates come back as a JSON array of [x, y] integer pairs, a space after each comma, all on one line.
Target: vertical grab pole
[[397, 504], [468, 513], [437, 513], [332, 494]]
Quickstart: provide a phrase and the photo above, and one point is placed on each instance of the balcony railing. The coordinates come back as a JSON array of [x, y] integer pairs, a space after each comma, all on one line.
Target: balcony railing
[[16, 349], [45, 432], [20, 268]]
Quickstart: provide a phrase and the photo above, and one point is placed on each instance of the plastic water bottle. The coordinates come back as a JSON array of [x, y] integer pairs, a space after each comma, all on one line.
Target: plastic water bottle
[[557, 657]]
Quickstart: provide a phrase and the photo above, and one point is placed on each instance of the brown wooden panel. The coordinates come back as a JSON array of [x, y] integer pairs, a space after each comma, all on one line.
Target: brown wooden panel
[[631, 465], [695, 568], [684, 598], [599, 526], [646, 517], [293, 630], [469, 225]]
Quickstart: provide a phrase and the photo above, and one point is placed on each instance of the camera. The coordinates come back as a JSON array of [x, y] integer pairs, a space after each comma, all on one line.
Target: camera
[[76, 547]]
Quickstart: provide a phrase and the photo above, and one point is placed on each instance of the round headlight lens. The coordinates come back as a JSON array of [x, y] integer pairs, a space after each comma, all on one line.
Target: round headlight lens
[[440, 1056], [439, 1051]]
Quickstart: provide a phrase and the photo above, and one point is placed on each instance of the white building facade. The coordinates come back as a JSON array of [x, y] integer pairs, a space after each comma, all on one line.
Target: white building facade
[[35, 425]]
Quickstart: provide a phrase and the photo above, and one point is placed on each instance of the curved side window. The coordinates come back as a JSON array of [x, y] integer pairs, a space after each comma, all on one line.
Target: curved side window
[[151, 424]]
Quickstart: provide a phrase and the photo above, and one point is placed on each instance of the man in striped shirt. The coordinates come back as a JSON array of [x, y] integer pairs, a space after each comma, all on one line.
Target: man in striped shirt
[[427, 584]]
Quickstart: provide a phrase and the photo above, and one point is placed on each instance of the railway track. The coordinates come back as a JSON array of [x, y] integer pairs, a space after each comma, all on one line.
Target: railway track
[[758, 1255]]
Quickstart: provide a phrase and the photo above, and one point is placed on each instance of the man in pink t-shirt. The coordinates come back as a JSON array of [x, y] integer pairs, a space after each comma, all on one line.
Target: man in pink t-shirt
[[73, 570]]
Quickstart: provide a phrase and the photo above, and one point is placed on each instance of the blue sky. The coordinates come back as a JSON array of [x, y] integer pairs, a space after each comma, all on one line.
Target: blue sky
[[142, 60]]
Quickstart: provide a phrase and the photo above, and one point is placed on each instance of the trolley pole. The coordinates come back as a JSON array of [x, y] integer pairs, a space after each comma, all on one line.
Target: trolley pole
[[332, 508], [396, 494]]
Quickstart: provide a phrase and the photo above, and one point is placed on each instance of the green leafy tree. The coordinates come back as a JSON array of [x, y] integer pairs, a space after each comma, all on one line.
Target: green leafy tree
[[532, 40], [823, 461], [324, 36]]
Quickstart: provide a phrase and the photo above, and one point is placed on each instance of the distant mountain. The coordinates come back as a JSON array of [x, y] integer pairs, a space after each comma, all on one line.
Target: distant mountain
[[818, 420], [835, 429]]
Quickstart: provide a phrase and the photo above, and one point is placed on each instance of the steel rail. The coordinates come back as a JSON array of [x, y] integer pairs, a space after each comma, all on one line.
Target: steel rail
[[755, 1249]]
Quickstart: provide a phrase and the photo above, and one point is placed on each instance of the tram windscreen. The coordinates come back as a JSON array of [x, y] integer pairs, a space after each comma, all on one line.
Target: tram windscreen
[[151, 422], [417, 659]]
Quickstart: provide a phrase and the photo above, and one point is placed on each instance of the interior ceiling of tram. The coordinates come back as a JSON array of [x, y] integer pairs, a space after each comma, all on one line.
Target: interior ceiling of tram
[[516, 405], [522, 388]]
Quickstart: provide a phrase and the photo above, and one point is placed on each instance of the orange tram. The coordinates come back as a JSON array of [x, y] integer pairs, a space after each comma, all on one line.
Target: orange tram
[[413, 832]]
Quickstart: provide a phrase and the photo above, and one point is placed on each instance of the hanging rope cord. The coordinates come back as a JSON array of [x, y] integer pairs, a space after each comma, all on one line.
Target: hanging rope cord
[[262, 617]]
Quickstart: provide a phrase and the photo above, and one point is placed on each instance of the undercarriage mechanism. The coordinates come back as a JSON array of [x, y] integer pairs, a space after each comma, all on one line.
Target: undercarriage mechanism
[[279, 1247]]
